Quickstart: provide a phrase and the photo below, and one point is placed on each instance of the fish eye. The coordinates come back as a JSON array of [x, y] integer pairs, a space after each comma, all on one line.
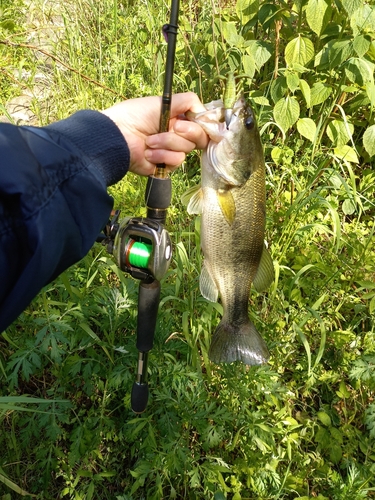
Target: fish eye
[[249, 123]]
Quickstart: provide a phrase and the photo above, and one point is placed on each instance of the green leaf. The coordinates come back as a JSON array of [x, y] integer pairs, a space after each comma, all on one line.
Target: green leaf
[[318, 13], [279, 88], [286, 112], [323, 437], [300, 51], [260, 51], [339, 132], [335, 453], [361, 45], [336, 435], [347, 153], [348, 207], [292, 80], [369, 140], [319, 93], [359, 71], [230, 34], [307, 128], [324, 418], [306, 91], [363, 21], [334, 53], [343, 391], [246, 10], [248, 65], [351, 5]]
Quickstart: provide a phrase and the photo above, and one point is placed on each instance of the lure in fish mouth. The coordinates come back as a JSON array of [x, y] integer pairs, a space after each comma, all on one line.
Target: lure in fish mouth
[[231, 201]]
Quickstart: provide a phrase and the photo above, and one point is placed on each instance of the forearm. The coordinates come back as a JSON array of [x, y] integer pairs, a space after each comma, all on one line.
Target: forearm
[[53, 200]]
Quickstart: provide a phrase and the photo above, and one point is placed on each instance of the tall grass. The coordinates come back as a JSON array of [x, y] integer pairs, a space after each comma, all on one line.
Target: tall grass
[[300, 427]]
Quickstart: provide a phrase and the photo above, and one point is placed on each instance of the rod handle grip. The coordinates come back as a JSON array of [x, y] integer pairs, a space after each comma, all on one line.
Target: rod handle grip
[[139, 397], [148, 304]]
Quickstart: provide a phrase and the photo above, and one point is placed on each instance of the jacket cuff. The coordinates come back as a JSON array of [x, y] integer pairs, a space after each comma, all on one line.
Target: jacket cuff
[[99, 138]]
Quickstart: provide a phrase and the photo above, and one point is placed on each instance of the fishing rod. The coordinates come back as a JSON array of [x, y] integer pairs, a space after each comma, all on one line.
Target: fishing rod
[[142, 246]]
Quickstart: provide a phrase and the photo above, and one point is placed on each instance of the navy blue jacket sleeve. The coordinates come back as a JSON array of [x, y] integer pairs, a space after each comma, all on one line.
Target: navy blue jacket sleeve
[[53, 200]]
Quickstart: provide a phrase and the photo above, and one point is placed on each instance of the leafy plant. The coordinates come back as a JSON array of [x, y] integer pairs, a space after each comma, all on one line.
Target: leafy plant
[[301, 427]]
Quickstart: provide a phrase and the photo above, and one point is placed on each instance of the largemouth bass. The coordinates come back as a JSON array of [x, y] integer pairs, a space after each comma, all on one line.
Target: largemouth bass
[[232, 203]]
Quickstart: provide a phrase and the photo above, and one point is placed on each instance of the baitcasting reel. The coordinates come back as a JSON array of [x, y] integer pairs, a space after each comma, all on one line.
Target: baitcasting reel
[[141, 246]]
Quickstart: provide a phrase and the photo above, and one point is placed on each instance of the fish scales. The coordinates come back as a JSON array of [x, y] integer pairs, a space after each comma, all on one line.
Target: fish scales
[[232, 204]]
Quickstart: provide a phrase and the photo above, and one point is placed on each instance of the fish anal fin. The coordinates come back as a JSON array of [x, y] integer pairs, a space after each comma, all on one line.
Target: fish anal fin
[[193, 198], [227, 205], [207, 285], [265, 273]]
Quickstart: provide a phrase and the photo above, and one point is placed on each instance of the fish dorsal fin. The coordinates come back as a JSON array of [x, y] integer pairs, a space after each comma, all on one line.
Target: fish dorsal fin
[[207, 285], [265, 273], [192, 199], [227, 205]]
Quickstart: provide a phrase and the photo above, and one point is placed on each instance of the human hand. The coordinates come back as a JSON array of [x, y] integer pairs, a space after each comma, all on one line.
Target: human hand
[[138, 121]]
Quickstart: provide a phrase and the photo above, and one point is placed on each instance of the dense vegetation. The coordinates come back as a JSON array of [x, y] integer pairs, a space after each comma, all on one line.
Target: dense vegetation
[[304, 425]]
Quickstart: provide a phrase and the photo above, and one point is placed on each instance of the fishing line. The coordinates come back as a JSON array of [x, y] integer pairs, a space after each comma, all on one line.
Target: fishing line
[[138, 253]]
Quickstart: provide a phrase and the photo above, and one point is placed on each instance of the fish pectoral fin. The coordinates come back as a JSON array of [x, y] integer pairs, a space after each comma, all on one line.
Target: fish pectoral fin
[[227, 205], [265, 273], [207, 285], [192, 199]]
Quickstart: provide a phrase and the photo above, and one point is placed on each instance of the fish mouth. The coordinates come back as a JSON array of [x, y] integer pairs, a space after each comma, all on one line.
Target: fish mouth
[[235, 111]]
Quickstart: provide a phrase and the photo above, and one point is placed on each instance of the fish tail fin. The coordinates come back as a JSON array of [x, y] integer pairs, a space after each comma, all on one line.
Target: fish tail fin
[[238, 343]]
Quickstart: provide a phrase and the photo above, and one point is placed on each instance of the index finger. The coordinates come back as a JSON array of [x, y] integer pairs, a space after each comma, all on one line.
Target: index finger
[[187, 101]]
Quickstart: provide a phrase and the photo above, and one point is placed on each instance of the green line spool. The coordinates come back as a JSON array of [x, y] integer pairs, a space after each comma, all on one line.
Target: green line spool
[[139, 255]]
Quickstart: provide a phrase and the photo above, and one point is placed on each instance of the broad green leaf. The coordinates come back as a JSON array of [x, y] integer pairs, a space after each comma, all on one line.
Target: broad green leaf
[[260, 51], [286, 112], [230, 34], [338, 132], [323, 437], [300, 51], [334, 53], [292, 80], [318, 13], [306, 92], [351, 5], [324, 418], [335, 453], [261, 100], [369, 140], [363, 20], [268, 14], [361, 45], [343, 391], [279, 88], [359, 71], [319, 93], [348, 207], [347, 153], [248, 65], [307, 128], [246, 10]]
